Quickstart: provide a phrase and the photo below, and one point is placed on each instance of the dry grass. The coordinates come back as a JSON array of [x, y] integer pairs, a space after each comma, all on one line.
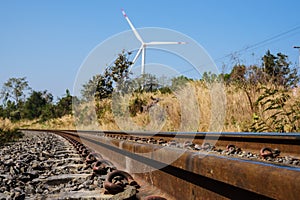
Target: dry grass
[[6, 125], [238, 110], [66, 122], [196, 107], [8, 132]]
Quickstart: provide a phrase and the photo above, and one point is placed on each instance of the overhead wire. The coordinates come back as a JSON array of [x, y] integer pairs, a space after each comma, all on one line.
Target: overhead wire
[[266, 41], [257, 45]]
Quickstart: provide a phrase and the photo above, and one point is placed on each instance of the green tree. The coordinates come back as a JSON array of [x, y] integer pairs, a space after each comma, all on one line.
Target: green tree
[[225, 77], [14, 89], [238, 74], [119, 71], [36, 103], [279, 70], [144, 83], [89, 88], [117, 75], [11, 111], [48, 112], [64, 105], [179, 81], [151, 83], [269, 64], [104, 86], [209, 77]]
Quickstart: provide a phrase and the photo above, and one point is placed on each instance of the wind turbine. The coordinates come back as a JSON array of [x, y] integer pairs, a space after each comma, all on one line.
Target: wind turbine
[[142, 49]]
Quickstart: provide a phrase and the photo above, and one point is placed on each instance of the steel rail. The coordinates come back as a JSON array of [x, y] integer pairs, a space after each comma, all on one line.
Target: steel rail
[[287, 143], [193, 176]]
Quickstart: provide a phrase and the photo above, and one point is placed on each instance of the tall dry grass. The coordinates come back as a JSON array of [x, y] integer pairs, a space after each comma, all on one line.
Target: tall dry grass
[[8, 131], [196, 107], [6, 125], [65, 122]]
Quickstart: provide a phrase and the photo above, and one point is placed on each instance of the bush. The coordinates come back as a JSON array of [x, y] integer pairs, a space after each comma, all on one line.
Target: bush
[[277, 112], [136, 106], [9, 135], [165, 90]]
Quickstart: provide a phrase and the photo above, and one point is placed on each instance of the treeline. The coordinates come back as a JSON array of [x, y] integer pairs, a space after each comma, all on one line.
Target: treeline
[[19, 101], [274, 69], [117, 78]]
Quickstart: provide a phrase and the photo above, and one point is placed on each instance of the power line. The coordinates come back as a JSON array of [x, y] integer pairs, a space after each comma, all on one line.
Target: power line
[[257, 45], [266, 41]]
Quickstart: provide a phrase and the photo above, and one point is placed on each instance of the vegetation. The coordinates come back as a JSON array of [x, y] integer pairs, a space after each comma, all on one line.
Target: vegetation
[[9, 135], [277, 111], [38, 105], [259, 98], [102, 86], [7, 132]]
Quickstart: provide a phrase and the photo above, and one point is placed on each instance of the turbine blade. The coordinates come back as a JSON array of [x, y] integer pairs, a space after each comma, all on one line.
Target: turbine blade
[[162, 43], [137, 35], [137, 55]]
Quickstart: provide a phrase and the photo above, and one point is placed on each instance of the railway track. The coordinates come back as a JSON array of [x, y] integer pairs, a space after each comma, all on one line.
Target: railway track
[[204, 166]]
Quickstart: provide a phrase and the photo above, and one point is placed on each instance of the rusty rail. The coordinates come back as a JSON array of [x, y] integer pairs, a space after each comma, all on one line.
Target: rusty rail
[[194, 176], [289, 143]]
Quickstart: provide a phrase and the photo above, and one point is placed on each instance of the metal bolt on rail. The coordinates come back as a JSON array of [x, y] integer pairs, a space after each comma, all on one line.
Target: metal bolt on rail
[[269, 152], [117, 180], [102, 167]]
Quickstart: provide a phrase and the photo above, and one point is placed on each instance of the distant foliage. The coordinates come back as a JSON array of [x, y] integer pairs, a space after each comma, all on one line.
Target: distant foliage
[[38, 105], [14, 90], [179, 82], [165, 90], [13, 95], [102, 85], [279, 71], [89, 88], [64, 105], [238, 74], [144, 83], [209, 77]]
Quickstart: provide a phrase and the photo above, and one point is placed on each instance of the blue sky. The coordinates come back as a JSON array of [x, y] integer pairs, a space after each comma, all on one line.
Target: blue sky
[[47, 41]]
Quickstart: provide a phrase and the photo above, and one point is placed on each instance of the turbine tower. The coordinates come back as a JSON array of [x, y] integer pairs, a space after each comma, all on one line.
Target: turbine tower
[[142, 49]]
